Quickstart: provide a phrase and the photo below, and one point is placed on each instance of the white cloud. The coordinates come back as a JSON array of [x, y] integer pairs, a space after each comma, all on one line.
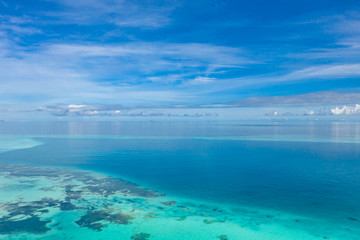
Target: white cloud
[[346, 110], [201, 81], [272, 113], [76, 106], [310, 113]]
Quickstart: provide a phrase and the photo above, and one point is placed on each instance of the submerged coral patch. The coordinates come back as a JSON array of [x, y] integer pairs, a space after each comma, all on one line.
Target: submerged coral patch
[[25, 216], [223, 237], [93, 218], [33, 224], [140, 236], [111, 186], [71, 190], [67, 206], [170, 203], [207, 221]]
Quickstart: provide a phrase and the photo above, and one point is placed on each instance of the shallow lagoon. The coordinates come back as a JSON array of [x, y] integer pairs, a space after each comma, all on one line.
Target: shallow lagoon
[[220, 180]]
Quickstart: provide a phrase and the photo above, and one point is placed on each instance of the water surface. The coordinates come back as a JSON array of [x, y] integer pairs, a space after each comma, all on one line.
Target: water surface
[[307, 174]]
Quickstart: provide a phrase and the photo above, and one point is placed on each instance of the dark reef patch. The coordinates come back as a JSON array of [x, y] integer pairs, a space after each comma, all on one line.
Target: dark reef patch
[[222, 237], [111, 186], [67, 206], [71, 194], [140, 236], [24, 216], [182, 218], [170, 203], [93, 218], [206, 221], [29, 208], [32, 224]]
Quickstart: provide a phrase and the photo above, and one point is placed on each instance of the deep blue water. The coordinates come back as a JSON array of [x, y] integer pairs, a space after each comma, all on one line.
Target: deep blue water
[[311, 178]]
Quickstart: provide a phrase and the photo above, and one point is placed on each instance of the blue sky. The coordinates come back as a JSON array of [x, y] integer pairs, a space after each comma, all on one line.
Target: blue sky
[[146, 54]]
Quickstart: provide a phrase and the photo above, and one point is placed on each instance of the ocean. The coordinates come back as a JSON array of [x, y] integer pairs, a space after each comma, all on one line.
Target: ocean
[[180, 180]]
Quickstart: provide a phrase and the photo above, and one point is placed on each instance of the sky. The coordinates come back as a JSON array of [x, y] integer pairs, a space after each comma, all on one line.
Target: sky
[[180, 59]]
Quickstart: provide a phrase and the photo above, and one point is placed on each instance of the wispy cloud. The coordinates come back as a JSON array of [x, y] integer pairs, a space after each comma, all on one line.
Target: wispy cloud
[[347, 24], [185, 54], [124, 13], [37, 77], [325, 71], [18, 26], [64, 70], [200, 80], [345, 29]]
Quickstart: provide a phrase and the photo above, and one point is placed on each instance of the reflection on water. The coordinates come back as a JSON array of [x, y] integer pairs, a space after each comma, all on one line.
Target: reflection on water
[[323, 130]]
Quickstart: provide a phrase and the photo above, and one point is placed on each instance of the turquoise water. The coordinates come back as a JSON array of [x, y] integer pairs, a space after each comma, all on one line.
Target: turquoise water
[[266, 180]]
